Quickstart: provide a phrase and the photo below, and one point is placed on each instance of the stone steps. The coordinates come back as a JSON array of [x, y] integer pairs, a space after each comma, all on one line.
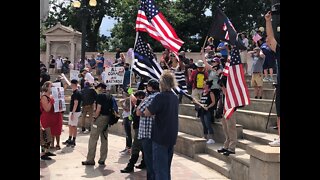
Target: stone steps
[[193, 126], [261, 105], [266, 93], [259, 137], [248, 77], [255, 120], [268, 85], [214, 163]]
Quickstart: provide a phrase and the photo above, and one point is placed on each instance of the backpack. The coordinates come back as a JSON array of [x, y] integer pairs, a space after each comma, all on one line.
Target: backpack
[[199, 80], [114, 116]]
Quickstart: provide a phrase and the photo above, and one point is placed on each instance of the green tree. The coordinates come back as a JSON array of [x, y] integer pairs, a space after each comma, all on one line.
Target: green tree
[[67, 15], [188, 19]]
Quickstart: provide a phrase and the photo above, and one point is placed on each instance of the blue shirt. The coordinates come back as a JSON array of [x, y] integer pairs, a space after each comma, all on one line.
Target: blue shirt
[[165, 107], [223, 52], [145, 125], [100, 65], [267, 52]]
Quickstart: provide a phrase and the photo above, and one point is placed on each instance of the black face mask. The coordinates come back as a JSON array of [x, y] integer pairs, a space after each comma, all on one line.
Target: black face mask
[[138, 101]]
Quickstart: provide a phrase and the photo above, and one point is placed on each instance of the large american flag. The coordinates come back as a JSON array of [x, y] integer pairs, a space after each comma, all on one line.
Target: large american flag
[[236, 90], [145, 64], [152, 21]]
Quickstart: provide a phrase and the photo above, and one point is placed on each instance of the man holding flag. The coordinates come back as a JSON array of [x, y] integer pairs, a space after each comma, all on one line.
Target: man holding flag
[[234, 85]]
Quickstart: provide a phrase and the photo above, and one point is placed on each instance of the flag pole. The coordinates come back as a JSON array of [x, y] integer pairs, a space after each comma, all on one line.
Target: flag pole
[[132, 61], [205, 41]]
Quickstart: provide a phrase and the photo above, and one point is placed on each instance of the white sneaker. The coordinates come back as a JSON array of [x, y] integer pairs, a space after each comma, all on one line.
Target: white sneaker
[[265, 79], [86, 131], [210, 141], [275, 143]]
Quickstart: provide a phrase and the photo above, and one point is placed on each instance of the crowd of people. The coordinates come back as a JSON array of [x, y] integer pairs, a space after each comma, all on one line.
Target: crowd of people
[[152, 111]]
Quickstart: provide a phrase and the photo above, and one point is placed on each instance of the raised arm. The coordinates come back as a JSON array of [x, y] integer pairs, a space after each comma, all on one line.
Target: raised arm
[[271, 41]]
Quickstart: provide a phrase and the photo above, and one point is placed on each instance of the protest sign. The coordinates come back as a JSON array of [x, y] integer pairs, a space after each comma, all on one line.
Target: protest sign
[[59, 101], [114, 75], [74, 74]]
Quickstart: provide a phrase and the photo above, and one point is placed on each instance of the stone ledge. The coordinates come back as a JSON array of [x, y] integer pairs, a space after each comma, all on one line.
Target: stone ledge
[[189, 145], [265, 152]]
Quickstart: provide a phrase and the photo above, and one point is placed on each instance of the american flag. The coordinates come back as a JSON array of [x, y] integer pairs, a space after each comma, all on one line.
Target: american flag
[[236, 90], [256, 37], [146, 65], [152, 21], [225, 71]]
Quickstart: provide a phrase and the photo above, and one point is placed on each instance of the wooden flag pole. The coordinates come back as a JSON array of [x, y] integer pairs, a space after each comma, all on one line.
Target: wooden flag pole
[[204, 44]]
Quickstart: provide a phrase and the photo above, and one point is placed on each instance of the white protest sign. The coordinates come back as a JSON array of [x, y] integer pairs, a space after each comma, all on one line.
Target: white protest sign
[[74, 74], [114, 75], [56, 84], [58, 96]]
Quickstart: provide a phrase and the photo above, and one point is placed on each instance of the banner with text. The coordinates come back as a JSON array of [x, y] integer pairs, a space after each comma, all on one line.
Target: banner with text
[[114, 75]]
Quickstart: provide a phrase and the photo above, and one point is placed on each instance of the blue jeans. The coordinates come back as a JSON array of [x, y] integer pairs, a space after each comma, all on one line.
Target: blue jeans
[[127, 129], [147, 149], [162, 157], [206, 122]]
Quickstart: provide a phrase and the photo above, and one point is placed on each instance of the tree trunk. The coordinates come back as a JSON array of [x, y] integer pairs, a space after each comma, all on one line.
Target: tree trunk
[[92, 38]]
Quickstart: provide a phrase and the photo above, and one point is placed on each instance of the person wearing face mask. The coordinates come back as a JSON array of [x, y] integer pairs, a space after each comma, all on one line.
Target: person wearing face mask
[[126, 79]]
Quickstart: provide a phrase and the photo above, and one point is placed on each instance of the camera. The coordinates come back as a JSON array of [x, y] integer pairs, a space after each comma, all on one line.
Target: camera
[[275, 9]]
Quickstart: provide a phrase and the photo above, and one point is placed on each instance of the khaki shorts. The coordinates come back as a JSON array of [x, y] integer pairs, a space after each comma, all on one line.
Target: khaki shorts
[[256, 79], [75, 120], [243, 56]]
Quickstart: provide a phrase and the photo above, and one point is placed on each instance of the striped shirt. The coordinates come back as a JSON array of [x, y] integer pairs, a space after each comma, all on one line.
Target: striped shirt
[[145, 124]]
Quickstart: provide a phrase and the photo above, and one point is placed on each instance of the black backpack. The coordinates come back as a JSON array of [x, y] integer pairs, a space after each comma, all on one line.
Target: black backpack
[[114, 116]]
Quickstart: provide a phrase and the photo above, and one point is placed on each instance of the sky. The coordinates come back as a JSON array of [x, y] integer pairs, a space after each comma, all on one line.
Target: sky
[[108, 23]]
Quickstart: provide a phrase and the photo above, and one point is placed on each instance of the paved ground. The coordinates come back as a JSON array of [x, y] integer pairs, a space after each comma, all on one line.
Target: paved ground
[[67, 164]]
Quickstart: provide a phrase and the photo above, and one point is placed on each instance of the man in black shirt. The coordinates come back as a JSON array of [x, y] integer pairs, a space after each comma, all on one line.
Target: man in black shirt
[[104, 103], [75, 112]]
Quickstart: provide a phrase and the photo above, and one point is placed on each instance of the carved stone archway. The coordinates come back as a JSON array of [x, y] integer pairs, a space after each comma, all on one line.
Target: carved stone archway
[[59, 37]]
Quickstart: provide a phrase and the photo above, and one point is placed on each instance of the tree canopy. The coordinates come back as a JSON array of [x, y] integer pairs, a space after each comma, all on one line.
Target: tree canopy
[[188, 18]]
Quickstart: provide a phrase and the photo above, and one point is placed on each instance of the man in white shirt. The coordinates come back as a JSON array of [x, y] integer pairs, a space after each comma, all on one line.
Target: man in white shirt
[[87, 75], [244, 54], [59, 64]]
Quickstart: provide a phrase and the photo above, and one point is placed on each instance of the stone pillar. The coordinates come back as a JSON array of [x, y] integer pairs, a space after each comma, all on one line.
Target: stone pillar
[[48, 51], [264, 162], [72, 53]]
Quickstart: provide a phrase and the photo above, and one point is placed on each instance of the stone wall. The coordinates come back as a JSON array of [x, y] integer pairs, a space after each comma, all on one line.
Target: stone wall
[[111, 55]]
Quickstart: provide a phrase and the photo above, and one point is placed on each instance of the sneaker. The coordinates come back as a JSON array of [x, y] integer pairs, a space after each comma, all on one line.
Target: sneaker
[[127, 152], [123, 150], [210, 141], [265, 79], [271, 79], [49, 154], [66, 142], [45, 157], [86, 132], [275, 143], [71, 144]]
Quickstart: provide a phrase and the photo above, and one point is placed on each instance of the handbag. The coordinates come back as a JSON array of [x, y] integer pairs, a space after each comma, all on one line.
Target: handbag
[[45, 136]]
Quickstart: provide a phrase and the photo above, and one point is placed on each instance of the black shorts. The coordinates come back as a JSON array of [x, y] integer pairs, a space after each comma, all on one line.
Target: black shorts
[[278, 101], [269, 63]]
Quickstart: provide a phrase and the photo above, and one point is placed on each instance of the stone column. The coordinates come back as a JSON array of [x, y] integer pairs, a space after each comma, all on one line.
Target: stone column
[[264, 162], [72, 53], [48, 51]]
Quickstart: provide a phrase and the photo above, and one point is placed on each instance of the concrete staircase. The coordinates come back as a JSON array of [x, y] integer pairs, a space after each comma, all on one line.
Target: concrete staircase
[[252, 152]]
